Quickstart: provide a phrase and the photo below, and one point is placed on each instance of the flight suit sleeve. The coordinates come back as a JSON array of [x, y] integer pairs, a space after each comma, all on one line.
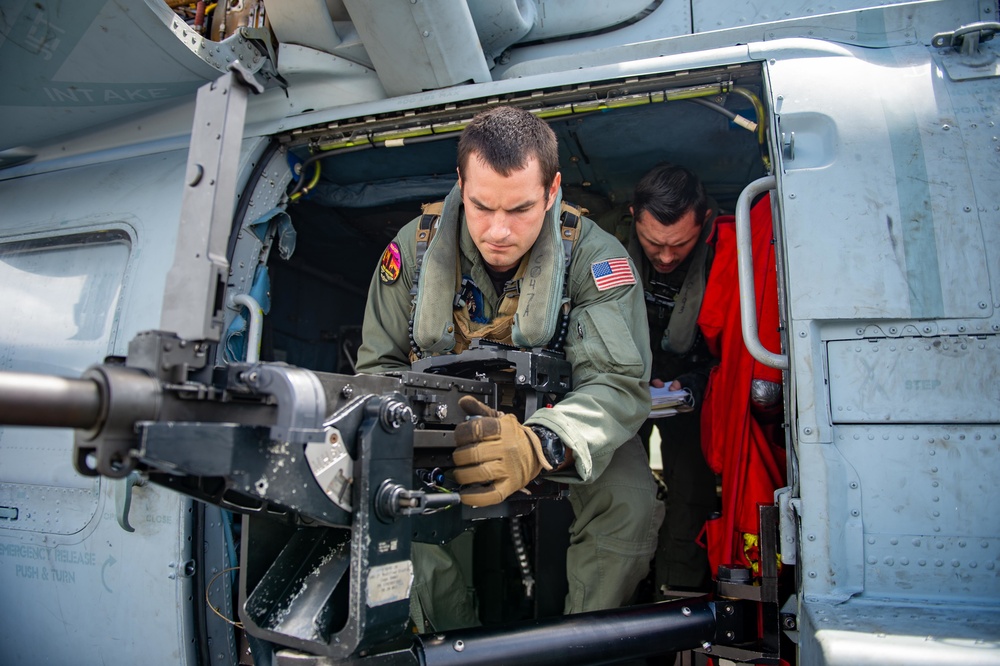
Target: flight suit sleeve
[[608, 347], [385, 342]]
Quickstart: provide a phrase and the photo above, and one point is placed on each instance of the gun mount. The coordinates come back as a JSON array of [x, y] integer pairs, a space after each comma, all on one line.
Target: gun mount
[[335, 477]]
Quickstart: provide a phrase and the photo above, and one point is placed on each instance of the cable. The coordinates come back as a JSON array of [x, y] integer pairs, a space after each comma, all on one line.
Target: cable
[[745, 123], [354, 146], [301, 192], [758, 108], [208, 602]]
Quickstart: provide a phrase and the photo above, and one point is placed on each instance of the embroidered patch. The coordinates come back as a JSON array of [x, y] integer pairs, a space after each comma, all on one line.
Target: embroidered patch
[[612, 273], [391, 264]]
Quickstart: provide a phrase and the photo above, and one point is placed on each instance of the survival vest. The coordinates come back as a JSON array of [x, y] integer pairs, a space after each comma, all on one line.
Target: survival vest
[[442, 325]]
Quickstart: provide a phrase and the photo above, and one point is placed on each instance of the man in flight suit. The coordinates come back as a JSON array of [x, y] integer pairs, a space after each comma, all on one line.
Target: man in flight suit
[[497, 253], [667, 230]]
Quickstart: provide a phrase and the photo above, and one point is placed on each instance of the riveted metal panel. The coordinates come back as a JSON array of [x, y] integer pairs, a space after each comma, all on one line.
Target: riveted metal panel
[[916, 380]]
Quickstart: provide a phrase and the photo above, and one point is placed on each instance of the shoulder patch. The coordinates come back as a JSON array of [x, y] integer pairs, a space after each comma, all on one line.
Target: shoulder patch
[[391, 264], [612, 273]]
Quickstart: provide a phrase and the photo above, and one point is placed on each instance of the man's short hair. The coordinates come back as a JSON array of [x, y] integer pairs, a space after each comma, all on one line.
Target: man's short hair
[[669, 191], [505, 138]]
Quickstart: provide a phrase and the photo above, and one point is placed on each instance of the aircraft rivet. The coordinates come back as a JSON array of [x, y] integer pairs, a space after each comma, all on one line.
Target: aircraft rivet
[[686, 612], [459, 645]]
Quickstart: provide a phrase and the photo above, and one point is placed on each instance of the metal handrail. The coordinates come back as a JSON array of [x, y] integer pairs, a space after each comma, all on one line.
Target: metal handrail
[[744, 264]]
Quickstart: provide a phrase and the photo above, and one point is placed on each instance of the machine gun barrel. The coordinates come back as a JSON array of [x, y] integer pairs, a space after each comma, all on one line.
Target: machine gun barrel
[[28, 399]]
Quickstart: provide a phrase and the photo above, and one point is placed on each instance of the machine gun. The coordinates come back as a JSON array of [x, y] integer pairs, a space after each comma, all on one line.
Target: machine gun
[[333, 477]]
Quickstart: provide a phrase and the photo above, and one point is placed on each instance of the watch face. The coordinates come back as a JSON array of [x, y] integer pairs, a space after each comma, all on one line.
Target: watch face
[[552, 447]]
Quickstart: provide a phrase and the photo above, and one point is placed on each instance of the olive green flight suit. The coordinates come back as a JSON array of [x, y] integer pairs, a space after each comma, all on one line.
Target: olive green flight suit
[[613, 494]]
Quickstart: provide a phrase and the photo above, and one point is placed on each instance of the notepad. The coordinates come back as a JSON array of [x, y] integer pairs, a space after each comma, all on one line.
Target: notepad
[[668, 403]]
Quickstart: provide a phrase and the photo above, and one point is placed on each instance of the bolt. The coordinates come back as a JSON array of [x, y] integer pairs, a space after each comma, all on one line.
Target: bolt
[[730, 635], [706, 646], [459, 645], [441, 411], [347, 391], [521, 379], [686, 612]]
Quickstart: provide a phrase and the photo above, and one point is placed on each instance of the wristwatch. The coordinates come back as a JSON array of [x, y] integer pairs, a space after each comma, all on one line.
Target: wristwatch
[[552, 447]]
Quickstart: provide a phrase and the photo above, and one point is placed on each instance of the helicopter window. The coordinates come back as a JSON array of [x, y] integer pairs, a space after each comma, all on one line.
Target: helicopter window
[[53, 296]]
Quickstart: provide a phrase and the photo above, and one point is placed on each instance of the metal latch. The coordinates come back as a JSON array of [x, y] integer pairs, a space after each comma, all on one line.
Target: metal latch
[[967, 38], [962, 57], [123, 498]]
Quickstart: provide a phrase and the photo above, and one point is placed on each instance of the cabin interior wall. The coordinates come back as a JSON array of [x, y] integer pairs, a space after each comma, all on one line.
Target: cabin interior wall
[[364, 197]]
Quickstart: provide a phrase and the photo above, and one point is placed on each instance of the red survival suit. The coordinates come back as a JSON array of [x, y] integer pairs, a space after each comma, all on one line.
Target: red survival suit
[[749, 455]]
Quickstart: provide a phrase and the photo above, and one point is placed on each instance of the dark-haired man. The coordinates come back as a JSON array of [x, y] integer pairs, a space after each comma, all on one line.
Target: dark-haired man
[[667, 232], [500, 226]]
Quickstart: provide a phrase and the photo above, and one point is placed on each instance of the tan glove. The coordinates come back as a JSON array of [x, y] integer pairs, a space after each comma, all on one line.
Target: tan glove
[[496, 451]]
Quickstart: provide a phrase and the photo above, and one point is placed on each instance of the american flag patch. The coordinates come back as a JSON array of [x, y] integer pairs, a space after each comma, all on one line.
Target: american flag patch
[[612, 273]]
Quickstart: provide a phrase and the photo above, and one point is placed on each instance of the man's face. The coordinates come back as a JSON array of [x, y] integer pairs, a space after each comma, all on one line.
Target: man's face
[[504, 214], [667, 247]]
